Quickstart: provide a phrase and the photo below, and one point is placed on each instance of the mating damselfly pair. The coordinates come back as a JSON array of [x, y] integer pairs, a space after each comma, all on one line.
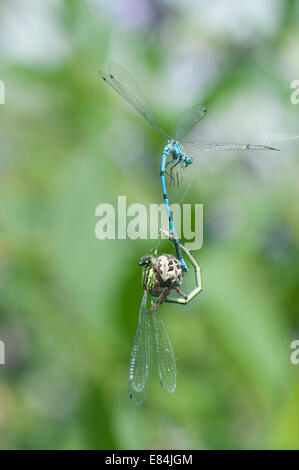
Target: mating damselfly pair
[[119, 79], [163, 273]]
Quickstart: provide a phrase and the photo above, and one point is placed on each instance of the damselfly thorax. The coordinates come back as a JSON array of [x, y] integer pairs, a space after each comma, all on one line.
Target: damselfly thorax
[[178, 162], [161, 274]]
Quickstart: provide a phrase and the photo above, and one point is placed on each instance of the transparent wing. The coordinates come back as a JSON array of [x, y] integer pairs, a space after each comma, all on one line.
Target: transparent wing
[[164, 354], [123, 83], [139, 397], [206, 145], [140, 361], [188, 119]]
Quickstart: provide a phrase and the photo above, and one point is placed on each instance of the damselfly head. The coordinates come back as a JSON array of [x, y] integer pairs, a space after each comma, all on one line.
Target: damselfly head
[[188, 161], [145, 261]]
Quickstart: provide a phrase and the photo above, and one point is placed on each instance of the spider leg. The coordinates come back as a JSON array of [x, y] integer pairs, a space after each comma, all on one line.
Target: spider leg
[[180, 292], [160, 300]]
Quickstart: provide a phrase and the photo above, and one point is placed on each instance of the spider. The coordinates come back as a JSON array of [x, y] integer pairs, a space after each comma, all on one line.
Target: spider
[[164, 273]]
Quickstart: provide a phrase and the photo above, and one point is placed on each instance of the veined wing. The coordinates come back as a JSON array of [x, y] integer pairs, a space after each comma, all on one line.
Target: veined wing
[[140, 362], [123, 83], [206, 145], [164, 354], [139, 397], [188, 119]]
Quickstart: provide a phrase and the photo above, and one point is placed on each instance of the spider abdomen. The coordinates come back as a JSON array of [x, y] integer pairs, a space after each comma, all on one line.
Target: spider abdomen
[[170, 270]]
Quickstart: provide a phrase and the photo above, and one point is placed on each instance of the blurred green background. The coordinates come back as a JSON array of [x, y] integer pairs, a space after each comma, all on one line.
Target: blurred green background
[[68, 301]]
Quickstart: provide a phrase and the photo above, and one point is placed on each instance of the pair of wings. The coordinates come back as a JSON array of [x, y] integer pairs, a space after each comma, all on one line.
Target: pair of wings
[[119, 79], [151, 340]]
